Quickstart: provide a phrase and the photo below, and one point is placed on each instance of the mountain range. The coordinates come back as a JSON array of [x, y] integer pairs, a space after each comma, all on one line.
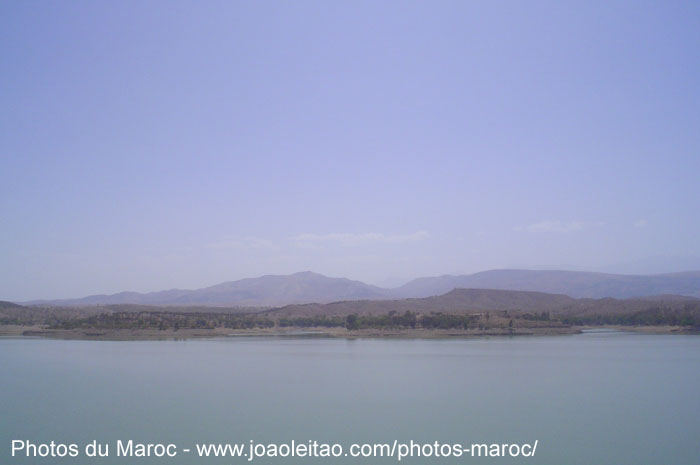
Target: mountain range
[[264, 291], [308, 287]]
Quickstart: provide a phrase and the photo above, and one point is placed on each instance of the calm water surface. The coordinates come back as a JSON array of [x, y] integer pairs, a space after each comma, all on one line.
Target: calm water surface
[[601, 398]]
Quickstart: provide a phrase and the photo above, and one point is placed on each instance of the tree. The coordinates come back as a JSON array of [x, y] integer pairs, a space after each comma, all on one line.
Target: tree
[[351, 322]]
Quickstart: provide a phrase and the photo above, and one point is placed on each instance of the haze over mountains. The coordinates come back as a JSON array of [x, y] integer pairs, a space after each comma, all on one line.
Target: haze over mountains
[[309, 287]]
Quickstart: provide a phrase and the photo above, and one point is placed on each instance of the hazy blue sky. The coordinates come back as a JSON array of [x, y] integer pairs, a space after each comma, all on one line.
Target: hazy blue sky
[[151, 145]]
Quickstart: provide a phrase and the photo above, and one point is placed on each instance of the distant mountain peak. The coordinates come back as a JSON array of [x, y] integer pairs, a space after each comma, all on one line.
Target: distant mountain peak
[[267, 290]]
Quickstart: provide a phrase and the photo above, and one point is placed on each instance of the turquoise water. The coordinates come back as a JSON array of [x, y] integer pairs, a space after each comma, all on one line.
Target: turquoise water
[[599, 398]]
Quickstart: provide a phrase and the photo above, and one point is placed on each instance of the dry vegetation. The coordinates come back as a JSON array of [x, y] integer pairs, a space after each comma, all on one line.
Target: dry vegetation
[[472, 311]]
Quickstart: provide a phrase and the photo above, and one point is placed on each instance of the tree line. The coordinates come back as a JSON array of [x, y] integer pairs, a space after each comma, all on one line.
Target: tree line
[[688, 316]]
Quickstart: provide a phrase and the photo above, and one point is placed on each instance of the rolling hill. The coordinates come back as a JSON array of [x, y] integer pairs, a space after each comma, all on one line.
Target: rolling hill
[[571, 283], [454, 302], [467, 301]]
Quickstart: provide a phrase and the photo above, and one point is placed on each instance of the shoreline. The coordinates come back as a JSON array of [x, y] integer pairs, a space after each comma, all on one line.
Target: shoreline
[[155, 335]]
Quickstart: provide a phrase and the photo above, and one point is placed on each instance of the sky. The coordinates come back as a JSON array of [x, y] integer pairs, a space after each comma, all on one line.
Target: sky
[[163, 144]]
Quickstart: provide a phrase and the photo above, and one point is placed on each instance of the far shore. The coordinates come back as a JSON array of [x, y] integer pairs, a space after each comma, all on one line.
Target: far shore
[[169, 334]]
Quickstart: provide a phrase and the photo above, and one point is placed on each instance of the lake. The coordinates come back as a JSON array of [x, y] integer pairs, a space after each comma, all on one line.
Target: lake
[[595, 398]]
